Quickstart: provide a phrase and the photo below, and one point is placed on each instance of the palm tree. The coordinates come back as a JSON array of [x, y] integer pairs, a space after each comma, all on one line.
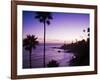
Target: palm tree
[[88, 31], [30, 43], [44, 17]]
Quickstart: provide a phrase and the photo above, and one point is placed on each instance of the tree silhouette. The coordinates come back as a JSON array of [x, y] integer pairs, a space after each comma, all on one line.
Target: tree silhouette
[[30, 43], [87, 31], [53, 63], [44, 17]]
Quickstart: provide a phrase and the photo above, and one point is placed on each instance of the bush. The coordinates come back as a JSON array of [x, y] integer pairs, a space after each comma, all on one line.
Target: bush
[[53, 63]]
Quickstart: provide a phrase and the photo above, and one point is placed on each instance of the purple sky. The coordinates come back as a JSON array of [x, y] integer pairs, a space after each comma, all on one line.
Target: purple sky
[[65, 27]]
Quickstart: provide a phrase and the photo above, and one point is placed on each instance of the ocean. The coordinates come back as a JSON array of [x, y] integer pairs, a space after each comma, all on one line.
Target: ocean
[[52, 53]]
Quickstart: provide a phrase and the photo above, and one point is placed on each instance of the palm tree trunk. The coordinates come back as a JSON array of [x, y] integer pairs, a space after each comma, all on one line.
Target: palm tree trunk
[[44, 42], [30, 52]]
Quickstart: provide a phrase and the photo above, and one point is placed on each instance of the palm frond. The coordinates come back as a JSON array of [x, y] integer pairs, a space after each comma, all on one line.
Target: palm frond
[[44, 17], [48, 22], [30, 42]]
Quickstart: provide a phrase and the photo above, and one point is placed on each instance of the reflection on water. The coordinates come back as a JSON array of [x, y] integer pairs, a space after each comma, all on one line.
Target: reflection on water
[[52, 53]]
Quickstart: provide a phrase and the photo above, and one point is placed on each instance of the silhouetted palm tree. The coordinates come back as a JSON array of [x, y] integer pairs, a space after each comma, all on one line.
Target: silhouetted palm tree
[[88, 31], [30, 43], [44, 17]]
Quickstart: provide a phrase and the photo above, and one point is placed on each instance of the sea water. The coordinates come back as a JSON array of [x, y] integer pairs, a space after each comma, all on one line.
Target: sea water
[[52, 52]]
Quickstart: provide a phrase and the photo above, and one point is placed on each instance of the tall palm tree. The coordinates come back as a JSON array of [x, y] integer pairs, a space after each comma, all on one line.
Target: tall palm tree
[[30, 43], [44, 17]]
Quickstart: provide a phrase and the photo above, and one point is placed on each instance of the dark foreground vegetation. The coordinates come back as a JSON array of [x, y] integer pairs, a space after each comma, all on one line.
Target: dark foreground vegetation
[[80, 50], [53, 63]]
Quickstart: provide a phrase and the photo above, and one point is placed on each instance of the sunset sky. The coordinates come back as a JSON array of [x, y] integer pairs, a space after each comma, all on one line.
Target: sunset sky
[[64, 27]]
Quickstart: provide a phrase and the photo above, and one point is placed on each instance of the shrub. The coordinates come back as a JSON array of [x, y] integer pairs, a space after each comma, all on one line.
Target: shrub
[[53, 63]]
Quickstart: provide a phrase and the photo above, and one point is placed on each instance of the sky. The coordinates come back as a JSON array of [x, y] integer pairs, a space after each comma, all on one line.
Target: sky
[[64, 27]]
